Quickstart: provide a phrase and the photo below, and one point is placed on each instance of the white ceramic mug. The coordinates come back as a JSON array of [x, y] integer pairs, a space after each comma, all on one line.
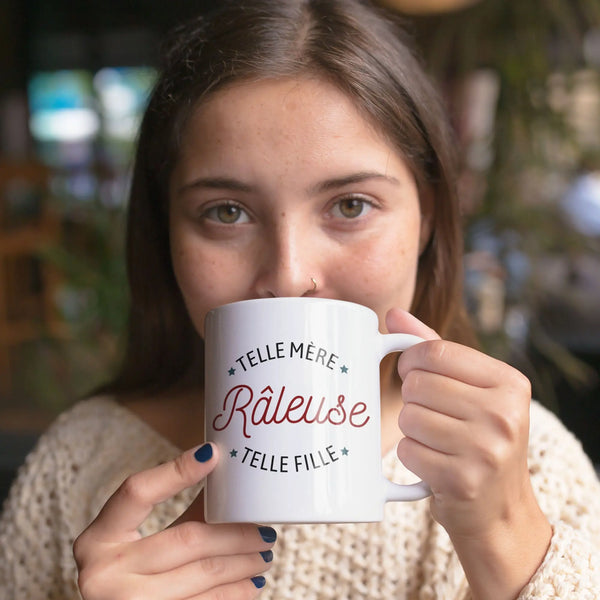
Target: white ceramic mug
[[292, 400]]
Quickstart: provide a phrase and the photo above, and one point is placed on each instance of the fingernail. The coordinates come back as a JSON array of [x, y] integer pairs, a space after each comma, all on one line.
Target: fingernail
[[267, 555], [259, 581], [204, 453], [268, 534]]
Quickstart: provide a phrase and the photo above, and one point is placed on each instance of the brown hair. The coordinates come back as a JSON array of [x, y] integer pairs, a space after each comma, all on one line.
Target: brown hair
[[351, 44]]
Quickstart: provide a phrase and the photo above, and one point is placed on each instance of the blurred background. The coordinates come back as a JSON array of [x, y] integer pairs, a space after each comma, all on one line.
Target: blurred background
[[522, 85]]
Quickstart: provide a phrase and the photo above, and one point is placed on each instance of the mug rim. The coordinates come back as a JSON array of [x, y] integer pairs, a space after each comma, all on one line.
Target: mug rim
[[291, 300]]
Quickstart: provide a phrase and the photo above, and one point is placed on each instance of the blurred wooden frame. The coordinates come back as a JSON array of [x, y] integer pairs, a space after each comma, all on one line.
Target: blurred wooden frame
[[26, 314]]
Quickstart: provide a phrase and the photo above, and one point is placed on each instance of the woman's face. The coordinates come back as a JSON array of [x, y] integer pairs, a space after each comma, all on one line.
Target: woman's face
[[281, 181]]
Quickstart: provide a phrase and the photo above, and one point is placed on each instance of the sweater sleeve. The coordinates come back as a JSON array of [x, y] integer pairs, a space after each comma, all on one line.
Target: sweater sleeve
[[75, 467], [37, 531], [568, 491]]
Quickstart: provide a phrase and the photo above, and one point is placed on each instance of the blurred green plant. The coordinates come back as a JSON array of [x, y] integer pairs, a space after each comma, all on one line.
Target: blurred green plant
[[536, 50], [542, 55], [92, 304]]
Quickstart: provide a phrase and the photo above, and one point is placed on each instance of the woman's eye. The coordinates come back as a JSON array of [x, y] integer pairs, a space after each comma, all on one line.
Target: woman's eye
[[350, 208], [227, 214]]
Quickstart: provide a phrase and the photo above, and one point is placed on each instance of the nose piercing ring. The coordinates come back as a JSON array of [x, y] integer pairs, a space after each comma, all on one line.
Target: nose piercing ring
[[314, 282]]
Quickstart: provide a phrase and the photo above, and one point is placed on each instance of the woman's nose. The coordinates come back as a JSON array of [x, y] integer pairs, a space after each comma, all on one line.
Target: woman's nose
[[288, 265]]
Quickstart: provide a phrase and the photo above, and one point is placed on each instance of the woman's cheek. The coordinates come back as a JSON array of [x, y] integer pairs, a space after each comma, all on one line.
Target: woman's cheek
[[386, 279]]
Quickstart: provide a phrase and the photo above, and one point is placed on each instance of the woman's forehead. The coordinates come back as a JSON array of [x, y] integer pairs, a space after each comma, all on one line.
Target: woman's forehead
[[298, 120]]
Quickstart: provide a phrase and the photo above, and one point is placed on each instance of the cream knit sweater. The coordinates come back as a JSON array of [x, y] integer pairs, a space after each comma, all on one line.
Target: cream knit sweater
[[89, 450]]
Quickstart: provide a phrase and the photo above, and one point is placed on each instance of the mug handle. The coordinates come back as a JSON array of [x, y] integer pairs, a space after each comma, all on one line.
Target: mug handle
[[397, 342]]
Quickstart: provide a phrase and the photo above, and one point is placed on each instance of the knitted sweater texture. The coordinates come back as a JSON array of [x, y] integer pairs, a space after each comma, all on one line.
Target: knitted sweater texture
[[89, 450]]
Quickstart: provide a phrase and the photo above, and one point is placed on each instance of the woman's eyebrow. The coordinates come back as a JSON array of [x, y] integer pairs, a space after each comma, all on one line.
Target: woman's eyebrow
[[229, 183], [337, 182], [221, 183]]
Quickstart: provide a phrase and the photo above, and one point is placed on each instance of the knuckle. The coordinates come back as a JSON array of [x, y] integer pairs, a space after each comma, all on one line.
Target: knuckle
[[184, 469], [510, 422], [105, 579], [406, 418], [412, 383], [213, 566], [90, 582], [223, 594], [133, 489], [188, 533], [181, 467], [522, 383], [401, 448], [80, 549], [83, 583], [518, 384], [492, 454], [243, 590], [435, 351], [468, 488], [405, 452]]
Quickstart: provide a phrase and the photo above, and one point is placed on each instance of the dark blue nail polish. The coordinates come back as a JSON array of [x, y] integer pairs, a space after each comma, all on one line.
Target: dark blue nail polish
[[204, 453], [259, 581], [268, 534], [267, 555]]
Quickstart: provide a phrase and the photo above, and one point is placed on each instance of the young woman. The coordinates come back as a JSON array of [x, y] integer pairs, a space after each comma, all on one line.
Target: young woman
[[297, 148]]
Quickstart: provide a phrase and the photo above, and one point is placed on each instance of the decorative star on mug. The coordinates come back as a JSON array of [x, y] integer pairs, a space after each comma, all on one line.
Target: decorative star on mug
[[231, 371], [344, 369], [233, 453]]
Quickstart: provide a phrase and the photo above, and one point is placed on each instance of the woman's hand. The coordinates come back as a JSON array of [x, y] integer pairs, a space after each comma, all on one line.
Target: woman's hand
[[465, 419], [191, 559]]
